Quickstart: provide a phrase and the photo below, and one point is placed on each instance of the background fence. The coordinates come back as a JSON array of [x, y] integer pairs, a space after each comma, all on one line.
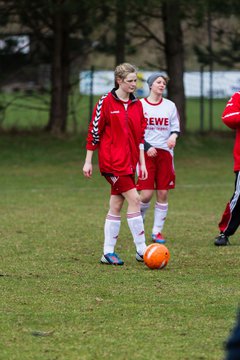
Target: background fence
[[206, 93], [206, 96]]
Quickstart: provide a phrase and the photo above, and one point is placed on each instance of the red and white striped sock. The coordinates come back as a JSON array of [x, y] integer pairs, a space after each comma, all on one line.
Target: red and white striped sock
[[111, 231], [135, 223], [144, 208], [160, 214]]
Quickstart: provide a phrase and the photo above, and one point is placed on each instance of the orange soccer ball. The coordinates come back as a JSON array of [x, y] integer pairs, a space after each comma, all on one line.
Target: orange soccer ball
[[156, 256]]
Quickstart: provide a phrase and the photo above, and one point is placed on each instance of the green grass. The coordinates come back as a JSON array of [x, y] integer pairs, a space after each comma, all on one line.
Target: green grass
[[27, 112], [31, 112], [58, 302], [211, 121]]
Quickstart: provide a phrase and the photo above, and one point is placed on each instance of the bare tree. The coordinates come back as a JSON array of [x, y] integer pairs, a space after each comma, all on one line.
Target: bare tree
[[120, 31], [166, 17], [53, 25], [174, 52]]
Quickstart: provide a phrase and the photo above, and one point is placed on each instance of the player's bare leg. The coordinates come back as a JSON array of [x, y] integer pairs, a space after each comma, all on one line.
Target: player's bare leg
[[145, 199]]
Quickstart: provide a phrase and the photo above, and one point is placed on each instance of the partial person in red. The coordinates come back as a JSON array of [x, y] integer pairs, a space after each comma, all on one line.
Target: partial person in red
[[231, 217], [117, 132], [161, 133]]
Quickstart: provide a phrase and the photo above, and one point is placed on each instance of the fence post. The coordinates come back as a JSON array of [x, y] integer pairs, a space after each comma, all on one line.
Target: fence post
[[201, 100], [210, 68], [91, 92], [211, 97]]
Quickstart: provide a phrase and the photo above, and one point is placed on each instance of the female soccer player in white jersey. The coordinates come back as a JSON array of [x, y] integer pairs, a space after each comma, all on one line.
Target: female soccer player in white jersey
[[117, 131], [161, 134]]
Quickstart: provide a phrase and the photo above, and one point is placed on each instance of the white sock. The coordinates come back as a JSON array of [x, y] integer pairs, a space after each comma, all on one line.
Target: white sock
[[111, 231], [135, 223], [144, 208], [160, 214]]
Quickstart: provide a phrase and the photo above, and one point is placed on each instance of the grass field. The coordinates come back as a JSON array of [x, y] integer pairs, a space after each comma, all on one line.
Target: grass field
[[59, 302]]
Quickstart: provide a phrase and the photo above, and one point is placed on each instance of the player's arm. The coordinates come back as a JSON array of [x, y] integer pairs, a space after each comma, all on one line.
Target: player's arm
[[172, 140], [95, 129], [97, 123], [175, 128], [149, 149], [87, 167], [231, 113], [143, 174]]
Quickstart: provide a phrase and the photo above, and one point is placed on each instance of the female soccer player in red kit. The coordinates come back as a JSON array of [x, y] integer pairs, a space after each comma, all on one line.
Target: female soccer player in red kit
[[160, 139], [117, 131], [231, 217]]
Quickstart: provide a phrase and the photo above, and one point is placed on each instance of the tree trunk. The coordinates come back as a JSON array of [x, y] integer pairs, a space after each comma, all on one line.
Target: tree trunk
[[65, 73], [174, 53], [59, 75], [120, 31]]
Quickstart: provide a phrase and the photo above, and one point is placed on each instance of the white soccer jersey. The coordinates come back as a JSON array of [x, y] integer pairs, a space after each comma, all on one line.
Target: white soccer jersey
[[162, 119]]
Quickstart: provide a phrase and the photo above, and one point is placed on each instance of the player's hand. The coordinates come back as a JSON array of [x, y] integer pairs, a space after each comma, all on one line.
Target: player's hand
[[87, 170], [152, 151], [171, 142], [143, 172]]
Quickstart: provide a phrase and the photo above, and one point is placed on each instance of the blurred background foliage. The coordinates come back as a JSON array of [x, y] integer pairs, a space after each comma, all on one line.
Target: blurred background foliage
[[44, 45]]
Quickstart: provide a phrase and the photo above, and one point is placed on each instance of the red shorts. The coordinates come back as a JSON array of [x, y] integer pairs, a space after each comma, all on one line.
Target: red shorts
[[121, 184], [161, 173]]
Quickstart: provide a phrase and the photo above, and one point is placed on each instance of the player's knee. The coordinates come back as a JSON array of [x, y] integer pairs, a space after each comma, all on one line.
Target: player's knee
[[146, 196], [145, 199], [115, 206], [162, 196]]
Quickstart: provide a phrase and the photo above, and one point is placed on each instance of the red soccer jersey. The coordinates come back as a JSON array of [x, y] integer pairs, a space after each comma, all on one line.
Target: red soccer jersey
[[231, 117], [117, 130]]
